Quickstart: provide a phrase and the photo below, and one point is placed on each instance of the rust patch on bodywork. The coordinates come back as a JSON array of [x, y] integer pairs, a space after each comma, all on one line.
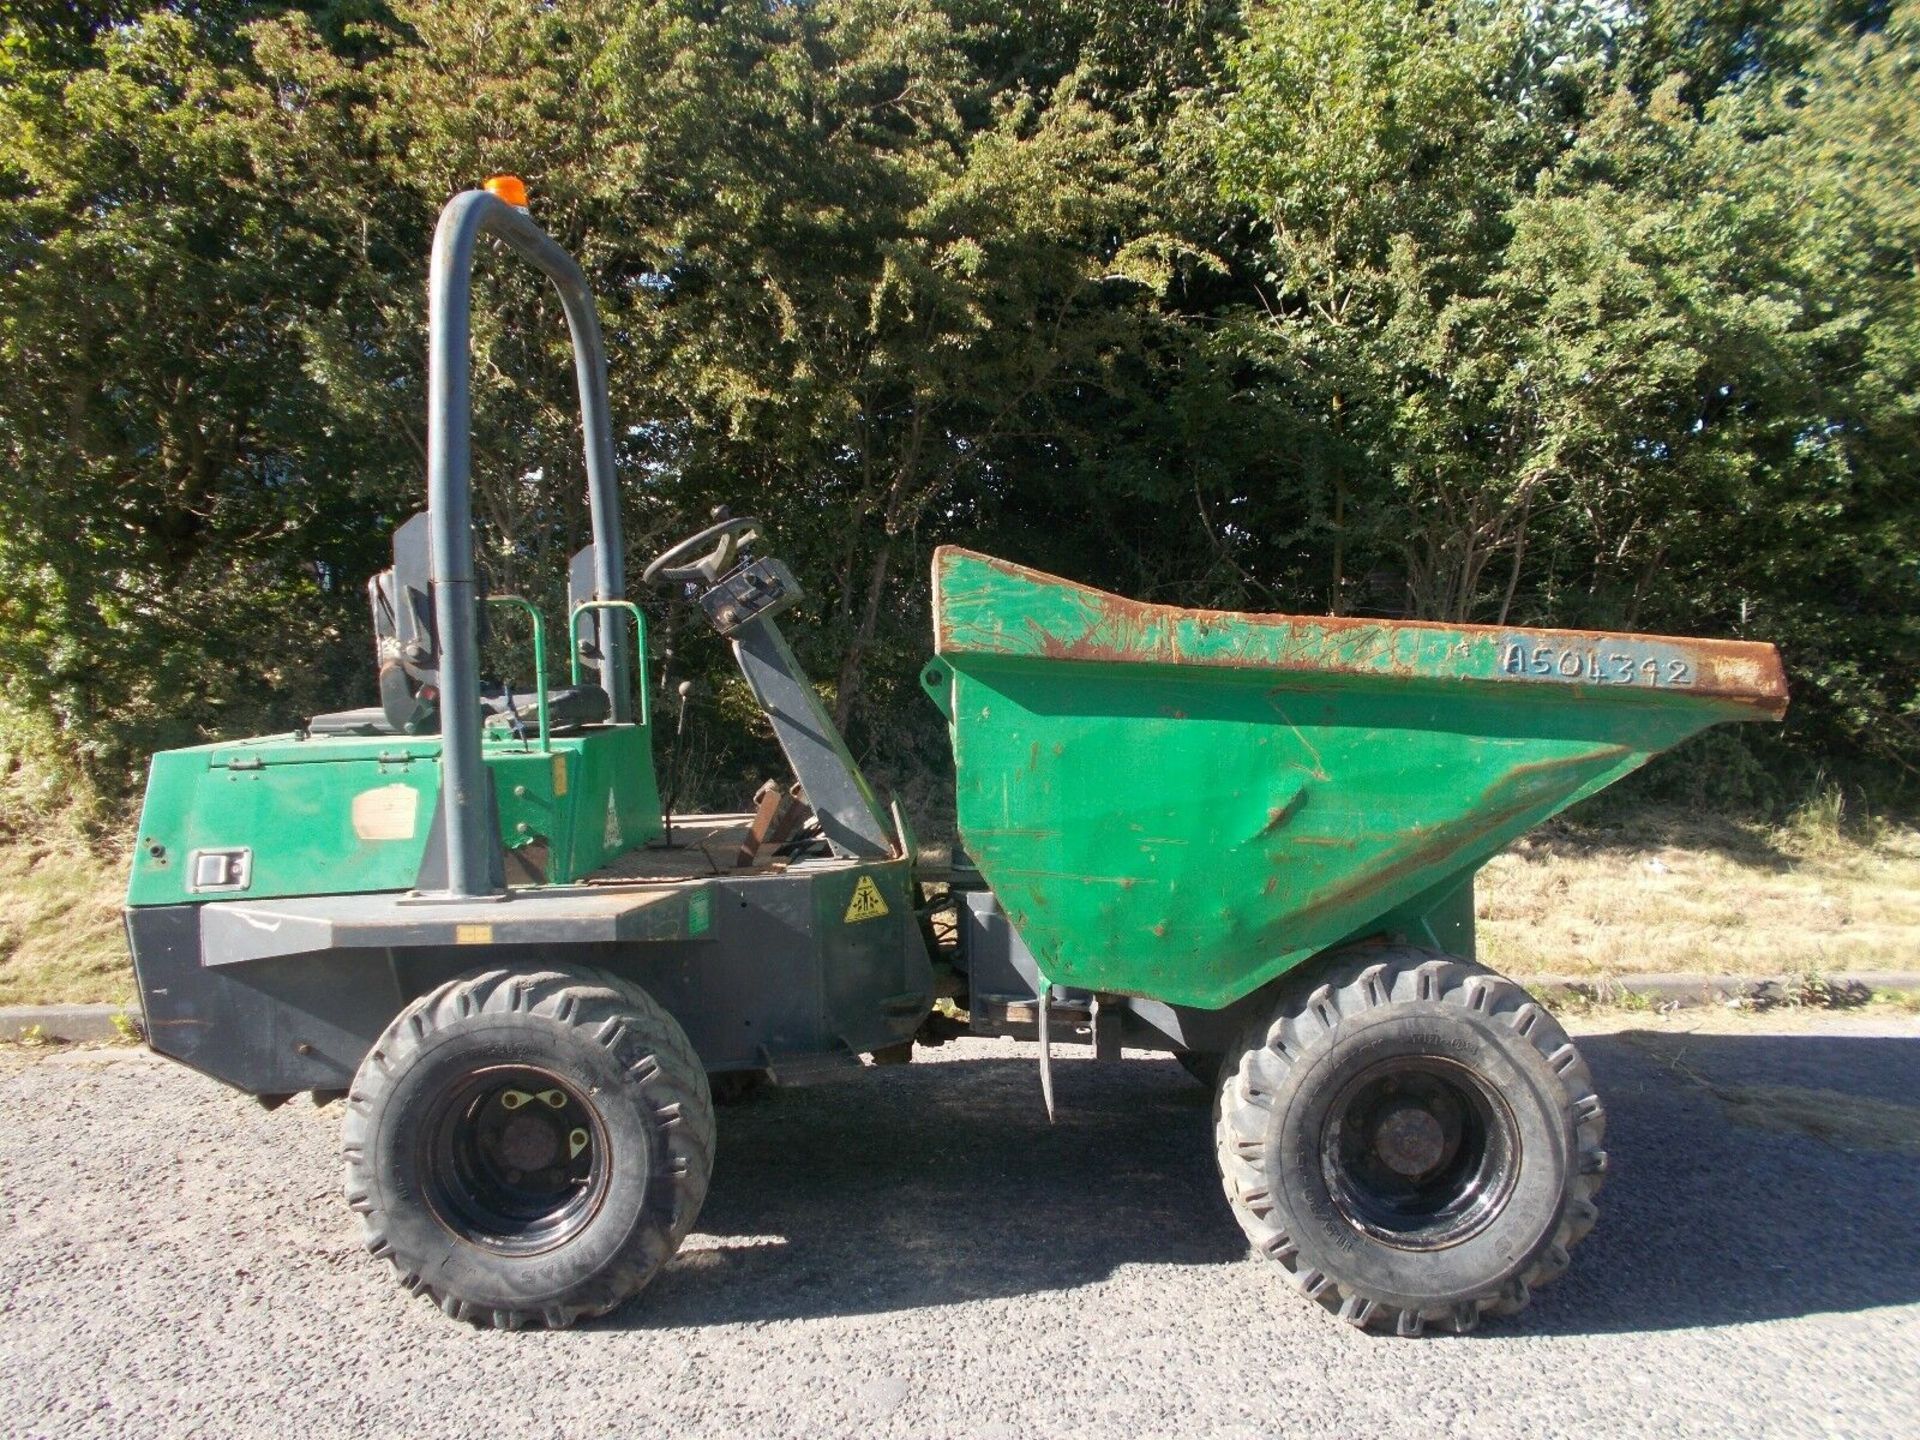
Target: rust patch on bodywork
[[985, 605]]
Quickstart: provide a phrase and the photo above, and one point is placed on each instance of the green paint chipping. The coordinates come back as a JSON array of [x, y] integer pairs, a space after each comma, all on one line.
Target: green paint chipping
[[1184, 804]]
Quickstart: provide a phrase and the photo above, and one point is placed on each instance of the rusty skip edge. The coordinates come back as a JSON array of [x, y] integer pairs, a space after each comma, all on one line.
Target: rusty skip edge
[[986, 606]]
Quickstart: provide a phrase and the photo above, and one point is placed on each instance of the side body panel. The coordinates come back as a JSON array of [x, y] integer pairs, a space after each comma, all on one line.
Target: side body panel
[[346, 815], [326, 816], [786, 965], [594, 798]]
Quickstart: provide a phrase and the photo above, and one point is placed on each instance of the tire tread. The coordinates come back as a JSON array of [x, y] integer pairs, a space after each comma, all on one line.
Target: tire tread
[[1351, 985], [607, 1011]]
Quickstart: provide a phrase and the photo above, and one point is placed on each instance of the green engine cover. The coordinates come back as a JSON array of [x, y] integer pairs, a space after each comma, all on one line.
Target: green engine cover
[[335, 815]]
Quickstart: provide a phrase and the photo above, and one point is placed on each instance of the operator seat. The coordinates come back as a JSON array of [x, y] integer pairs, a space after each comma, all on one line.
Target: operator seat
[[406, 645]]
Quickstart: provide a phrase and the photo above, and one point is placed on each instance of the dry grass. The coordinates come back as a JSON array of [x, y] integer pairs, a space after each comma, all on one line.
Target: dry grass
[[1660, 893], [60, 936], [1674, 893]]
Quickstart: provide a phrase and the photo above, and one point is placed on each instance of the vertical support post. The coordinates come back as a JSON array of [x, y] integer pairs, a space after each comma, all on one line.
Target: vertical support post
[[450, 503]]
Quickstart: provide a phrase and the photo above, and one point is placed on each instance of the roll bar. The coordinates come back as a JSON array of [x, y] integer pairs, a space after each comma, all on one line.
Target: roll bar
[[467, 824]]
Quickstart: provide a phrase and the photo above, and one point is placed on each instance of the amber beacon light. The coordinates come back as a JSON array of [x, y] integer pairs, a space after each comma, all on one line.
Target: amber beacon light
[[510, 188]]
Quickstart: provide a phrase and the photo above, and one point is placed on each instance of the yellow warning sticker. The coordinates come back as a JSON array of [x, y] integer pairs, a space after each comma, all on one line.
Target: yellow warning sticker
[[473, 934], [866, 903]]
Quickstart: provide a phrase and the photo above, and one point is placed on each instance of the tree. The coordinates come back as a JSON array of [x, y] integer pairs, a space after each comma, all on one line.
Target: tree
[[160, 247], [1574, 346], [1548, 313]]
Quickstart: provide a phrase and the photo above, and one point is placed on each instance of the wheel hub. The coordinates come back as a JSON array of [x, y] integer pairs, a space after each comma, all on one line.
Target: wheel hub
[[1419, 1152], [529, 1142], [516, 1159], [1411, 1140]]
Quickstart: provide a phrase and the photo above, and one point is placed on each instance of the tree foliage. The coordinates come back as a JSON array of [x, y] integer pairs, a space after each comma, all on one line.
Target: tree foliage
[[1601, 316]]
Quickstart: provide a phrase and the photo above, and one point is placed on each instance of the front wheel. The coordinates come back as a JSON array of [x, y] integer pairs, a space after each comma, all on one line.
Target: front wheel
[[529, 1148], [1414, 1141]]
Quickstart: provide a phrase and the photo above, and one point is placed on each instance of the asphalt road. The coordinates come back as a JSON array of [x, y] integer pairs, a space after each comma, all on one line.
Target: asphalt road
[[918, 1253]]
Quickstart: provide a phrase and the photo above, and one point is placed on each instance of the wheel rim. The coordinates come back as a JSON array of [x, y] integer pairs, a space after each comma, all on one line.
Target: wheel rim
[[515, 1159], [1419, 1152]]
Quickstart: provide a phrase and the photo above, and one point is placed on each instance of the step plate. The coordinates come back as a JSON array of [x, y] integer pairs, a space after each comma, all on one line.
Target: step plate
[[236, 932]]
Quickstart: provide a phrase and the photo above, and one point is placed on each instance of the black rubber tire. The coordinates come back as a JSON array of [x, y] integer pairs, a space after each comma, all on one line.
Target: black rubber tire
[[1202, 1065], [647, 1092], [1274, 1108]]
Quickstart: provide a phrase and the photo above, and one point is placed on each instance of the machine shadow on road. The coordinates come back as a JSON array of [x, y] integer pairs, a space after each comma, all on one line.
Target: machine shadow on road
[[1755, 1177], [943, 1182]]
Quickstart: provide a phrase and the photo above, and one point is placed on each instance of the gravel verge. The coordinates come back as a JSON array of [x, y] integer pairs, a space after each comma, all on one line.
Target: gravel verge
[[918, 1253]]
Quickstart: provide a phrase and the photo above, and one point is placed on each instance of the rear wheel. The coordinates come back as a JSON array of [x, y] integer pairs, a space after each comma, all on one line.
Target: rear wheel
[[1414, 1141], [529, 1148]]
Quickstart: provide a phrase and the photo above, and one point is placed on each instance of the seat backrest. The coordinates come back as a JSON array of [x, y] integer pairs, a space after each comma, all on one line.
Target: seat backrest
[[406, 642], [580, 589]]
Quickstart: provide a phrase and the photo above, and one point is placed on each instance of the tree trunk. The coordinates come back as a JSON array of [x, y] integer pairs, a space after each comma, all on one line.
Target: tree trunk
[[851, 663]]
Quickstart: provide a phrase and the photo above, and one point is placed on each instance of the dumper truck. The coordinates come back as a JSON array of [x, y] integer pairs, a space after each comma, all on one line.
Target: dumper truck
[[1247, 841]]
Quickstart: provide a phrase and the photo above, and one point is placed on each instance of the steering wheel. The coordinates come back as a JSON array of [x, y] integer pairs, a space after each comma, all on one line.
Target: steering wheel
[[726, 538]]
